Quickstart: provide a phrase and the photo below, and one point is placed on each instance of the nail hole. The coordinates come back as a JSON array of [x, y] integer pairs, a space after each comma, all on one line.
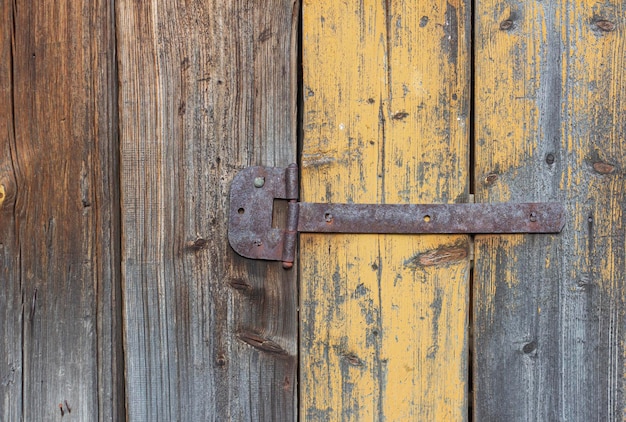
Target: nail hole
[[427, 218], [240, 211], [328, 217]]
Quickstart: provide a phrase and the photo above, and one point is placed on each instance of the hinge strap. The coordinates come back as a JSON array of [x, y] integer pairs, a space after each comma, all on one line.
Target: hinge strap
[[254, 189]]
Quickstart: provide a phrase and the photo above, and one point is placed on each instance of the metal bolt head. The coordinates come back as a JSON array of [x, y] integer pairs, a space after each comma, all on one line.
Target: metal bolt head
[[259, 182], [533, 216]]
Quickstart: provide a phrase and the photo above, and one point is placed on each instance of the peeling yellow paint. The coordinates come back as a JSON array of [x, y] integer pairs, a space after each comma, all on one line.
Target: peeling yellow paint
[[386, 108]]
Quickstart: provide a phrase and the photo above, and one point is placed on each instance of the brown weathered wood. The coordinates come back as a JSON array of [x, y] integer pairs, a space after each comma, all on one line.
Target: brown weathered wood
[[10, 294], [60, 315], [550, 309], [206, 88]]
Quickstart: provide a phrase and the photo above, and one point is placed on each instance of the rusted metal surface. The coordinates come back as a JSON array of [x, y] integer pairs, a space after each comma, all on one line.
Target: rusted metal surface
[[254, 189], [415, 219], [250, 230]]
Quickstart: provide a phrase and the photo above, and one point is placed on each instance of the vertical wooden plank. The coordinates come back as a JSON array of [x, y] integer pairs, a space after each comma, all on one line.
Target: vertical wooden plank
[[549, 309], [206, 88], [59, 300], [386, 102], [11, 368]]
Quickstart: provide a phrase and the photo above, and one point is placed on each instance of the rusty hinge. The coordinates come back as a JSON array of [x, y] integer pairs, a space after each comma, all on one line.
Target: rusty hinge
[[254, 190]]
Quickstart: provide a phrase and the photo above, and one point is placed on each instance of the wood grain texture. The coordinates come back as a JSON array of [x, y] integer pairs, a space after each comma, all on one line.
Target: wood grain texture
[[550, 309], [206, 88], [11, 367], [386, 103], [60, 314]]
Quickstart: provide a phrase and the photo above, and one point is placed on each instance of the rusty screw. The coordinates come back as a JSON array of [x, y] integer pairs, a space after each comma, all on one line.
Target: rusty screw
[[533, 216], [259, 182], [328, 217]]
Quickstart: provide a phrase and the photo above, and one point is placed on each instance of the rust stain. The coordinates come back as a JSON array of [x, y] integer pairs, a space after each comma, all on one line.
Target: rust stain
[[444, 255], [603, 168]]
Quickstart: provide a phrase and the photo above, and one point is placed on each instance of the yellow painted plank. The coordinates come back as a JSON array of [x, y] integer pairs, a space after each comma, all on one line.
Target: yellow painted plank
[[549, 310], [386, 103]]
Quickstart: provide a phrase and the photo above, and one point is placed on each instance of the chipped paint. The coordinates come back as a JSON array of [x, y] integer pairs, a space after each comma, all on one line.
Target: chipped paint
[[378, 69]]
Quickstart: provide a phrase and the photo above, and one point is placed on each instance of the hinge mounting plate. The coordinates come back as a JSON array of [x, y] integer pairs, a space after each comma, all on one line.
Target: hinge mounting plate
[[254, 189]]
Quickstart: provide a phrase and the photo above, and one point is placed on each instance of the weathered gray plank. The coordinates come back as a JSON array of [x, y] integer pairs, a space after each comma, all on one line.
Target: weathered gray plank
[[550, 310], [59, 310], [206, 88]]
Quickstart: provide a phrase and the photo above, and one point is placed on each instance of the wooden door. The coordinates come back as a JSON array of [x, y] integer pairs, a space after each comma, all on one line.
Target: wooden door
[[123, 123]]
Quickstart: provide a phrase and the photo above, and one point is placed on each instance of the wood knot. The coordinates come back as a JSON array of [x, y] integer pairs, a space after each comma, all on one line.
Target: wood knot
[[491, 179], [400, 115], [353, 359], [603, 168], [506, 25], [240, 285], [198, 244], [444, 255], [529, 347], [220, 361], [605, 25], [261, 343]]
